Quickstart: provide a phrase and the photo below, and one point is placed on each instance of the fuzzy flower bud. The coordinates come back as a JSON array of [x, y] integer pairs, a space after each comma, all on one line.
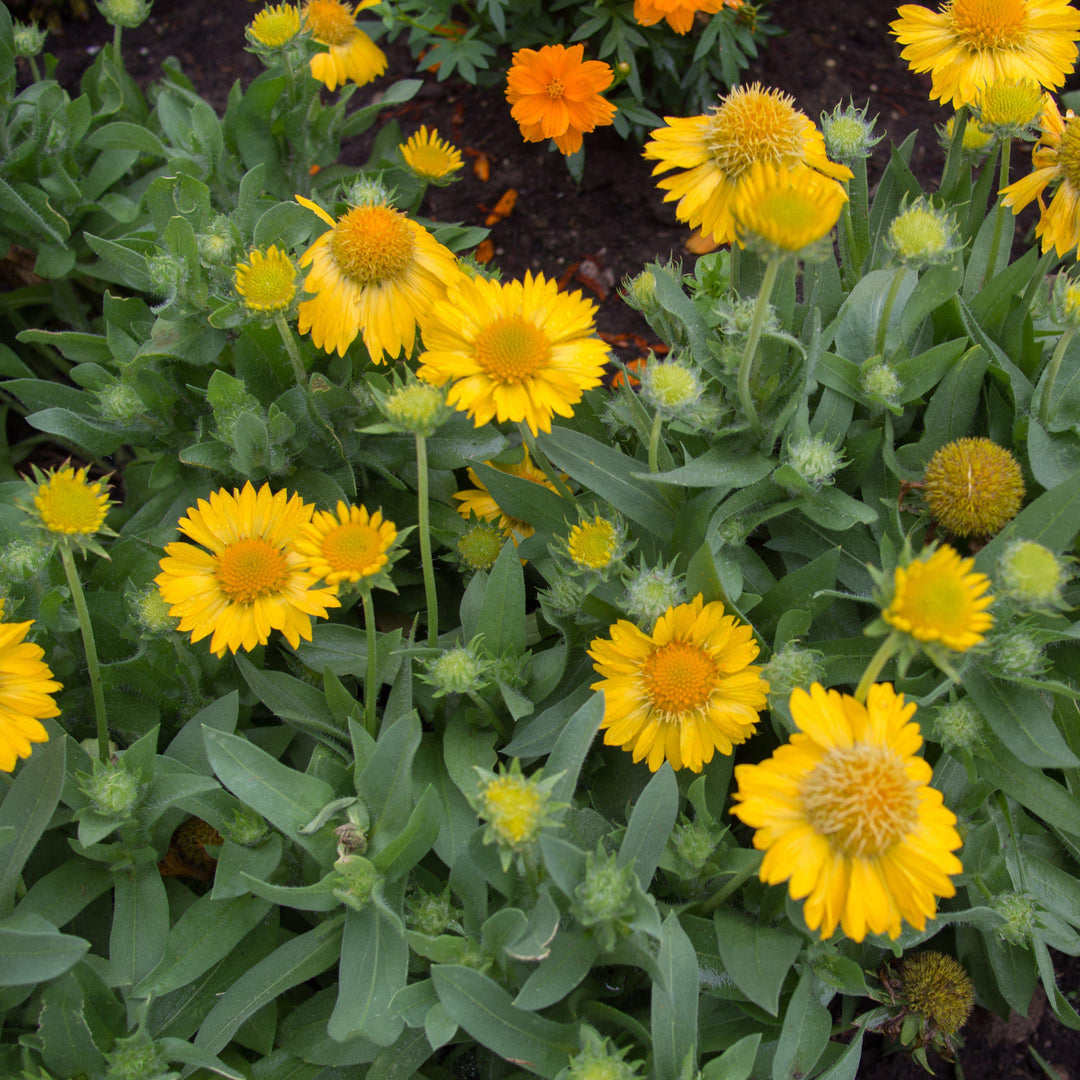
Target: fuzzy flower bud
[[432, 913], [605, 898], [848, 135], [1009, 109], [737, 316], [126, 14], [672, 388], [640, 292], [734, 531], [880, 383], [247, 828], [458, 671], [112, 788], [166, 272], [792, 667], [369, 191], [816, 460], [479, 546], [939, 989], [418, 408], [1019, 912], [921, 235], [1019, 654], [598, 1060], [649, 593], [1031, 575], [137, 1058], [153, 612], [120, 401], [216, 246], [694, 843], [22, 559], [357, 879], [973, 487], [957, 726], [563, 596], [29, 39]]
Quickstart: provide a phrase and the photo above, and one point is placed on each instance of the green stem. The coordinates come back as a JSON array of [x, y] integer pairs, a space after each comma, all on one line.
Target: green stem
[[1046, 401], [750, 364], [999, 213], [290, 347], [35, 73], [738, 879], [735, 270], [953, 158], [859, 193], [369, 680], [886, 311], [886, 650], [78, 598], [1037, 279], [117, 37], [488, 712], [654, 442], [540, 459], [425, 540]]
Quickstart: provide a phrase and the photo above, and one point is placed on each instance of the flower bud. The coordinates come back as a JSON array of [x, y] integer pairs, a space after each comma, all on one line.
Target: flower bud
[[458, 671], [848, 135], [1019, 912], [138, 1058], [921, 235], [672, 388], [112, 789], [694, 843], [120, 401], [418, 408], [1065, 305], [1032, 575], [126, 14], [792, 667], [1009, 109], [649, 593], [1019, 654], [274, 27], [216, 246], [563, 596], [596, 545], [479, 545], [957, 726], [880, 383], [431, 913], [247, 828], [29, 39], [640, 292], [369, 191], [22, 559], [357, 879], [153, 612], [516, 808], [604, 901], [599, 1060], [166, 272], [815, 459], [976, 141]]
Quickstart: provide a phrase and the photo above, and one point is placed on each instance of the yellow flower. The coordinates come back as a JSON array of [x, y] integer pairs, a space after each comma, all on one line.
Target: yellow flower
[[520, 351], [348, 547], [683, 691], [266, 282], [251, 579], [941, 598], [373, 273], [275, 26], [26, 684], [845, 813], [593, 545], [351, 53], [679, 14], [1009, 108], [69, 504], [1055, 160], [975, 139], [479, 503], [786, 209], [713, 153], [969, 43], [555, 94], [429, 156], [973, 487]]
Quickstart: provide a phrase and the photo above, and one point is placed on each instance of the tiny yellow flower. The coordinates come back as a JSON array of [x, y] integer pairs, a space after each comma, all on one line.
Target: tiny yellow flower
[[593, 545], [430, 157], [275, 26], [266, 283], [68, 503]]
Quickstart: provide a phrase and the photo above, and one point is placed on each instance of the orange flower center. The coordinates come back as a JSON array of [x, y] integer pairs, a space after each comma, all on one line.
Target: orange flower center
[[1069, 152], [754, 125], [555, 89], [511, 348], [251, 568], [330, 23], [679, 677], [372, 244], [989, 24], [861, 799], [354, 548]]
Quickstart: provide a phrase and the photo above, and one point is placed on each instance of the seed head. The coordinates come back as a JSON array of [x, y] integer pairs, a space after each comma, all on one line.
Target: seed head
[[973, 487], [938, 988]]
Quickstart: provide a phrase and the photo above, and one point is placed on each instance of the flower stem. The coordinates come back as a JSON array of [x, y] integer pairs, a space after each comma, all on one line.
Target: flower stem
[[735, 270], [369, 679], [290, 347], [750, 364], [738, 879], [955, 155], [118, 34], [540, 458], [999, 213], [488, 712], [1046, 400], [78, 598], [886, 650], [886, 311], [425, 539], [654, 442]]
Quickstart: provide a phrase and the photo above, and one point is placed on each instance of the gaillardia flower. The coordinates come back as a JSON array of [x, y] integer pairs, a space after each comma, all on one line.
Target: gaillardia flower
[[941, 598], [247, 578], [350, 54], [714, 152], [845, 814], [275, 26], [596, 544], [682, 692], [266, 282], [26, 684], [1056, 161], [679, 14], [430, 157], [478, 502], [373, 273], [520, 351], [350, 546], [973, 487], [67, 503], [555, 94], [966, 44]]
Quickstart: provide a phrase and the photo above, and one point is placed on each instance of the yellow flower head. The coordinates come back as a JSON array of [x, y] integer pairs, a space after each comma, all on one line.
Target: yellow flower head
[[973, 487], [1056, 162], [966, 44], [682, 692], [516, 808], [275, 26], [67, 503], [430, 157], [714, 152], [247, 578], [266, 283], [921, 235], [351, 546], [941, 598], [373, 273], [785, 210], [350, 54], [477, 502], [845, 814], [555, 94], [679, 14], [594, 545], [975, 139], [520, 351], [26, 686], [1009, 109]]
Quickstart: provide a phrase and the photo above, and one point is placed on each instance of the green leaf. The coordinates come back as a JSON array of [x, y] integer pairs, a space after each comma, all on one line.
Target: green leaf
[[68, 1046], [33, 951], [561, 971], [846, 1066], [736, 1062], [483, 1009], [650, 824], [718, 467], [674, 1013], [29, 210], [502, 612], [541, 507], [236, 861], [572, 747], [140, 925], [1034, 790], [798, 589], [121, 135], [385, 784], [63, 892], [756, 957], [401, 854], [805, 1033]]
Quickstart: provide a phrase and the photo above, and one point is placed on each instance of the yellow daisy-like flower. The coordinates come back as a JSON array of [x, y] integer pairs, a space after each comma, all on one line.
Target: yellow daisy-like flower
[[373, 273], [1009, 108], [786, 210], [679, 14], [350, 546], [967, 44], [1056, 161], [941, 598], [351, 54], [250, 579], [478, 501], [973, 487], [69, 504], [520, 351], [266, 283], [682, 692], [714, 152], [593, 544], [26, 684], [275, 26], [845, 814], [429, 156]]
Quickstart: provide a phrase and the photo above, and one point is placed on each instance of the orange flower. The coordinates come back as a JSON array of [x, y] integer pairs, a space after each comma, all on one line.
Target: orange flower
[[679, 13], [555, 94]]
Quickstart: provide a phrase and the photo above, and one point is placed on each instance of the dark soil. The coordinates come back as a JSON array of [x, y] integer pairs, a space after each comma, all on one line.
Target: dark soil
[[611, 226]]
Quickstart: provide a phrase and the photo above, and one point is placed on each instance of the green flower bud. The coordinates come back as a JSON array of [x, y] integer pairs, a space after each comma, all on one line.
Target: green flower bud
[[694, 843], [120, 401], [672, 388], [816, 460], [479, 545], [247, 828], [649, 593], [848, 135], [126, 14], [737, 316], [733, 531], [29, 39], [640, 292], [24, 558], [957, 726], [1019, 654], [599, 1060], [458, 671], [137, 1058], [1019, 912], [357, 879], [880, 383], [1031, 575], [417, 408], [563, 596], [369, 191], [166, 273], [432, 914], [792, 667], [921, 235], [216, 246], [604, 901], [153, 612], [112, 788]]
